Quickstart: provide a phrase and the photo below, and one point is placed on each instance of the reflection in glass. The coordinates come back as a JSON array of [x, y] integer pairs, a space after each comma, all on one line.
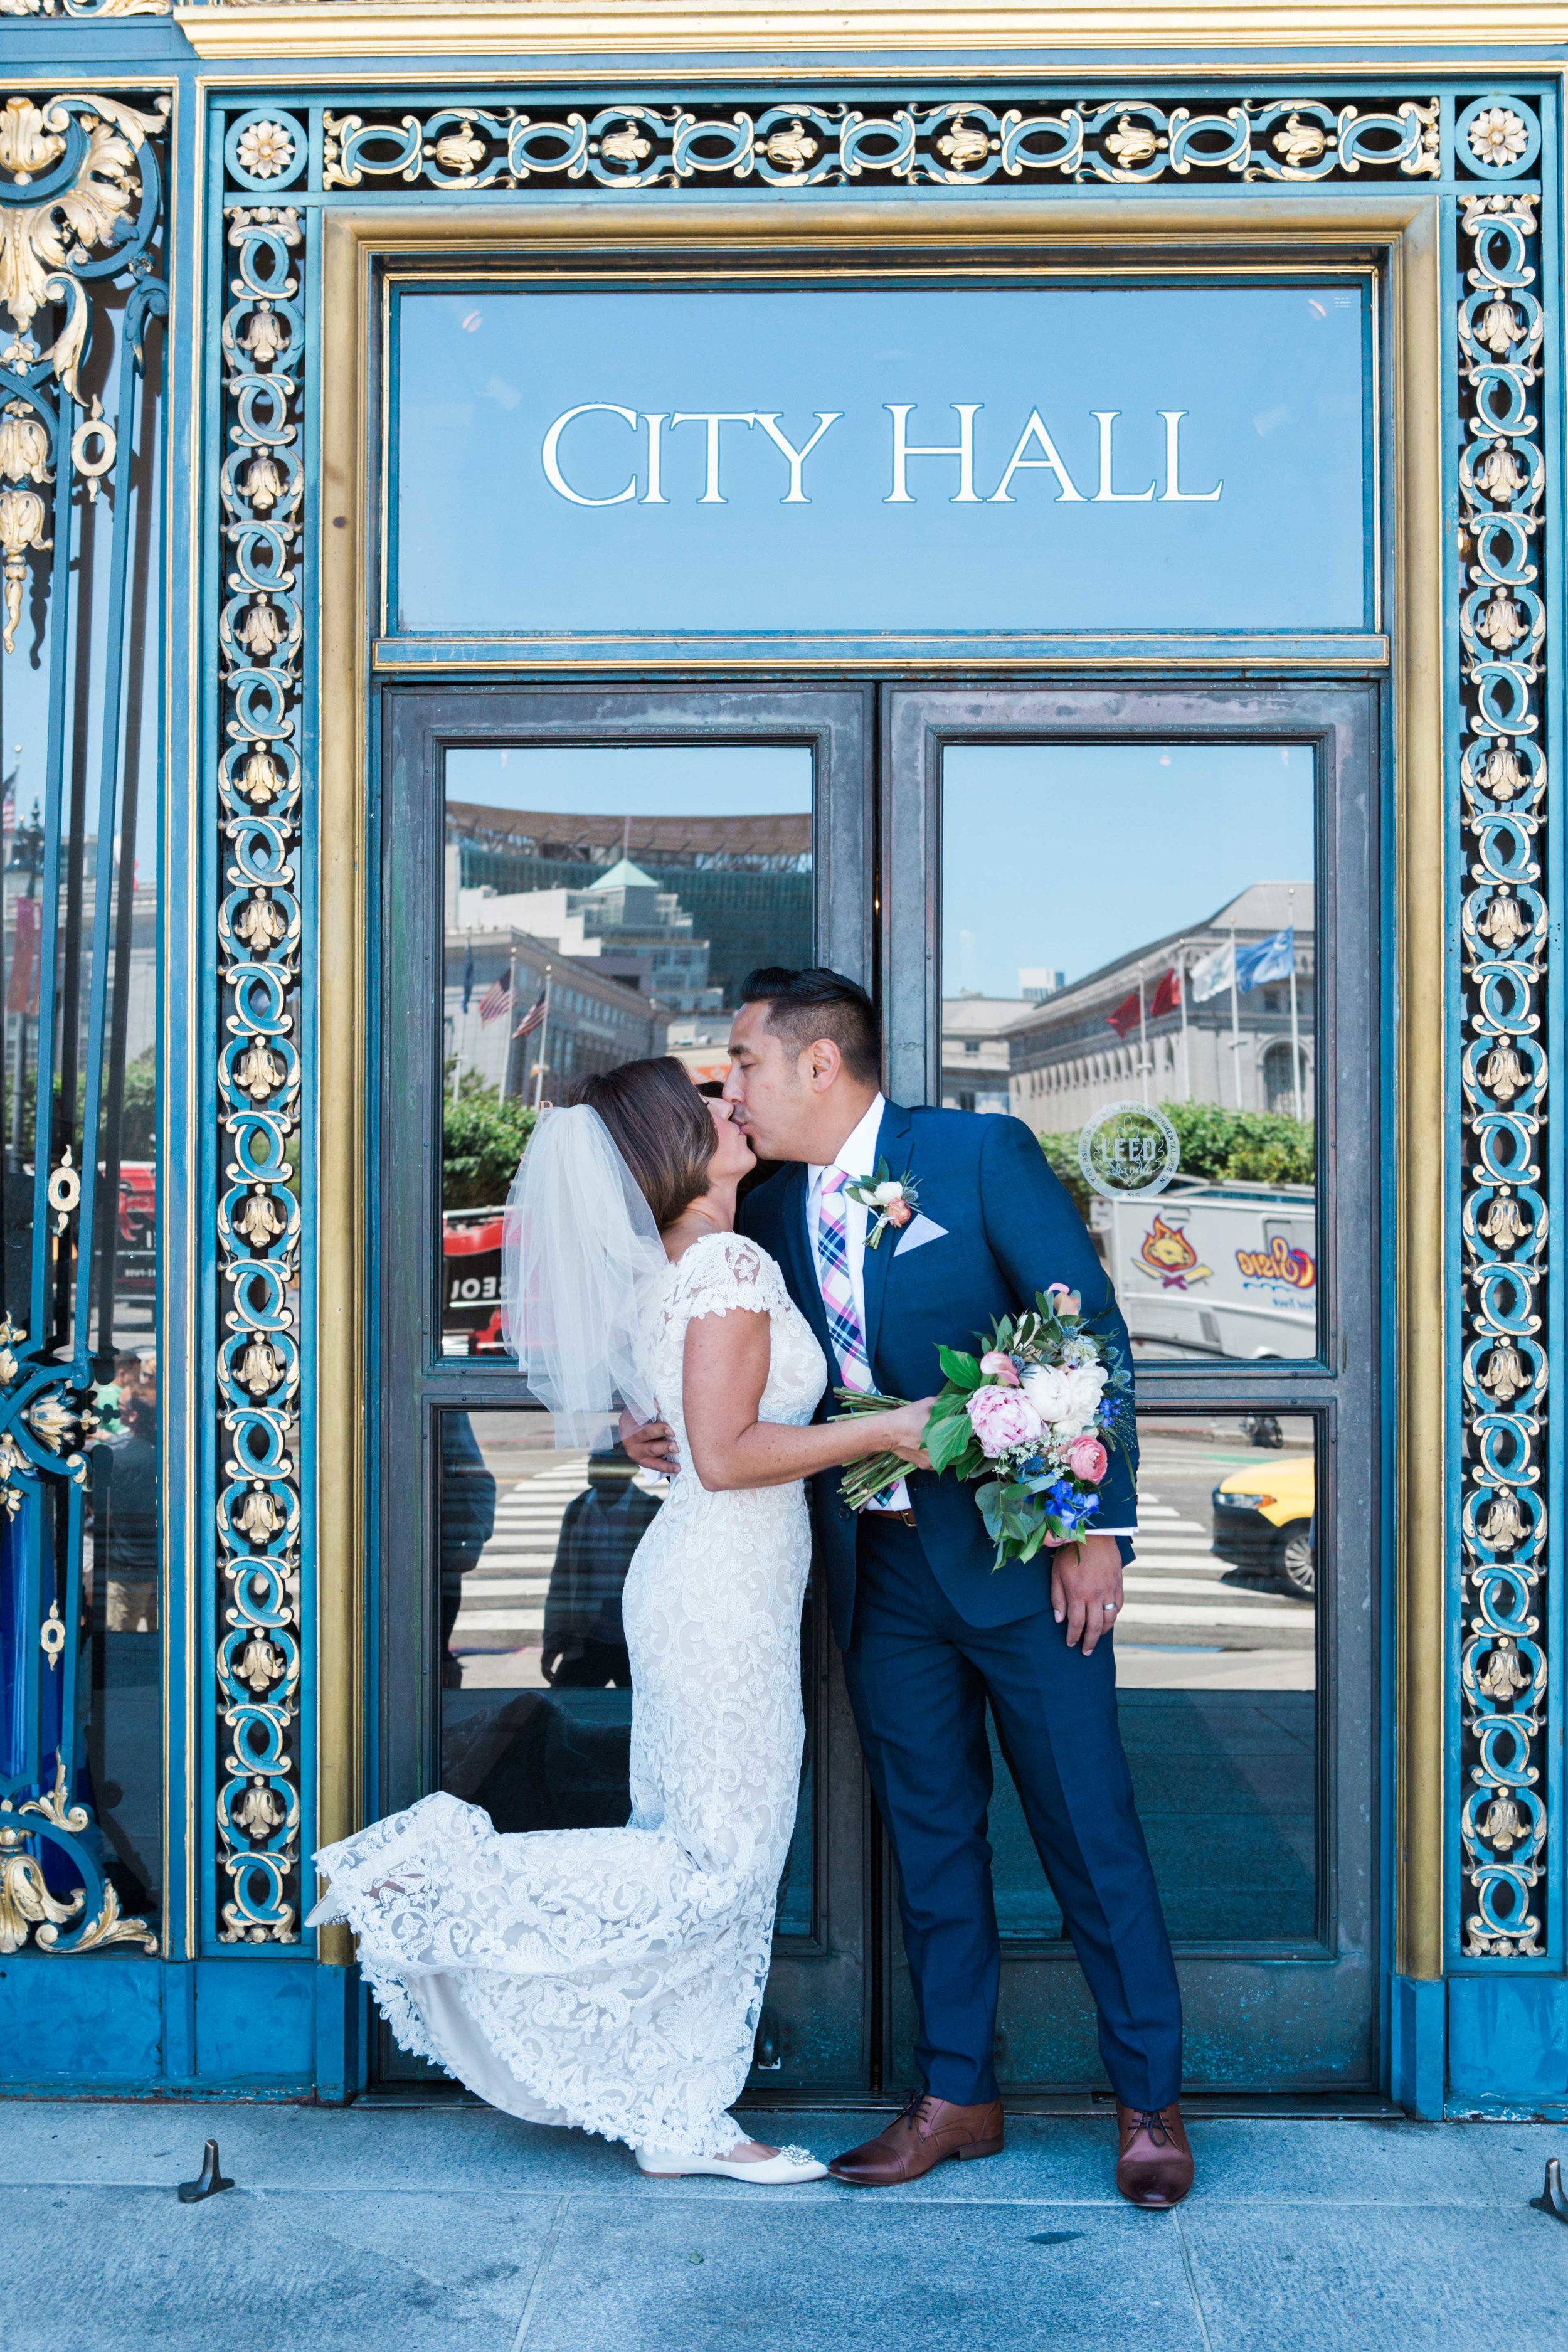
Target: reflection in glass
[[1135, 922], [602, 904], [880, 458], [1216, 1681], [536, 1705], [84, 1004]]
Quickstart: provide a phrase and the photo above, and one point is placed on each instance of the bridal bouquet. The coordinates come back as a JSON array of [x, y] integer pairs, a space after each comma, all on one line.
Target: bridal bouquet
[[1033, 1419]]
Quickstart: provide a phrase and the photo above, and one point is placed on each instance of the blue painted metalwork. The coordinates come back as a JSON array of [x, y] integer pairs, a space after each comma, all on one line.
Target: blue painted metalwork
[[366, 142], [260, 636], [1490, 142], [1504, 1065], [1124, 140], [81, 205]]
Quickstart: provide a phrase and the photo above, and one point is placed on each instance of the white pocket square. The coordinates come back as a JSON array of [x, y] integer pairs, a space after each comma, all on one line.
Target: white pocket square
[[922, 1230]]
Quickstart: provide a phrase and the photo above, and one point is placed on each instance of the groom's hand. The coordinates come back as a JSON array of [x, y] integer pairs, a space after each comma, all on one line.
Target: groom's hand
[[651, 1444], [1085, 1577]]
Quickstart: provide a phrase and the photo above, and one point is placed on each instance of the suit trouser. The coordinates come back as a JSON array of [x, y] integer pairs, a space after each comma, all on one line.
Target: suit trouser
[[919, 1679]]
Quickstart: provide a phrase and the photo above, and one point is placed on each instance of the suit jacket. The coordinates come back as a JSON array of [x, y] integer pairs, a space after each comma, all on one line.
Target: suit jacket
[[1011, 1229]]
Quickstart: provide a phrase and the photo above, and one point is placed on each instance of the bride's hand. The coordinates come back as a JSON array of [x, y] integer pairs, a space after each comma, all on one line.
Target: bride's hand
[[900, 1431]]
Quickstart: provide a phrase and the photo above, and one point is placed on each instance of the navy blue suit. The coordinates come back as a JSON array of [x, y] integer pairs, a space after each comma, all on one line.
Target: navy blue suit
[[931, 1631]]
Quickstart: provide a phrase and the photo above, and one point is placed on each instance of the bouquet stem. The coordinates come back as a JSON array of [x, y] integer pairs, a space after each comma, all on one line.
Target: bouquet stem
[[865, 1480]]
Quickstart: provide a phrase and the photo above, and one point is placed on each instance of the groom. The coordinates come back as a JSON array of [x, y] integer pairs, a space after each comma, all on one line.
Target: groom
[[928, 1630]]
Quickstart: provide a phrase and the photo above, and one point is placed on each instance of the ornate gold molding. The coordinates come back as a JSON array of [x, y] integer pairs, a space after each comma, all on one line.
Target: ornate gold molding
[[1404, 221], [470, 29]]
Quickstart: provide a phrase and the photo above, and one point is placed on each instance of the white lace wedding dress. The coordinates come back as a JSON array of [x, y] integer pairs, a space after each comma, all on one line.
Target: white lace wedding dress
[[613, 1978]]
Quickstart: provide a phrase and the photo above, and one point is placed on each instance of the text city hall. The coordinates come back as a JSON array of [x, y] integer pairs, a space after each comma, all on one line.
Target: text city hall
[[1033, 451]]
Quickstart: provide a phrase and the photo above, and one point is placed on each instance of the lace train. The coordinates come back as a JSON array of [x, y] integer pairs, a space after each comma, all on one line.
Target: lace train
[[613, 1978]]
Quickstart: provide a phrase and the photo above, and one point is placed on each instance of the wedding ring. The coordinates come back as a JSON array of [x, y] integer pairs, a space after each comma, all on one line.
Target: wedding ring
[[1108, 1607]]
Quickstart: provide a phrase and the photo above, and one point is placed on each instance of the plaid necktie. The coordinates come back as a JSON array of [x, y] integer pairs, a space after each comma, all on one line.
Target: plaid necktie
[[838, 1290]]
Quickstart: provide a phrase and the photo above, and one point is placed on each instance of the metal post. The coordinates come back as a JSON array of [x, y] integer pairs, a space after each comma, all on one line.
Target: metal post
[[1295, 1030], [510, 1001], [1142, 1037], [544, 1043], [1181, 992], [1234, 1022]]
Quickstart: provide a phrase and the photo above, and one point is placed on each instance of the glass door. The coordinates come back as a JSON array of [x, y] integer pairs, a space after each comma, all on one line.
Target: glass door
[[1142, 921], [574, 877]]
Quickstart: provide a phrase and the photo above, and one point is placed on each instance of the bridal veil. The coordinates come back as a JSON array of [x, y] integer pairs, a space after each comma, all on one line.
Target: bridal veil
[[580, 1253]]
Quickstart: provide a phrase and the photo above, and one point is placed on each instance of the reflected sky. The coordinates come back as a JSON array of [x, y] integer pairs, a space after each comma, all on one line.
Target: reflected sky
[[635, 779], [1069, 854], [628, 520]]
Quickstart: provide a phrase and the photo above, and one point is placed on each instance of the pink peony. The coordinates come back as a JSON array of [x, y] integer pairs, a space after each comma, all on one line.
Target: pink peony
[[1002, 1418], [1088, 1460], [1001, 1367]]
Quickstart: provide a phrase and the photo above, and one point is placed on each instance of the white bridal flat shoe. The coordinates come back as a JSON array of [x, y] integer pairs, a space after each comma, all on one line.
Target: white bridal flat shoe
[[770, 2172]]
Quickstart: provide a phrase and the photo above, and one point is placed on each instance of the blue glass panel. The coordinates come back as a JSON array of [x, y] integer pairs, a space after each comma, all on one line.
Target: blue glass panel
[[1189, 986], [1132, 458], [1216, 1684]]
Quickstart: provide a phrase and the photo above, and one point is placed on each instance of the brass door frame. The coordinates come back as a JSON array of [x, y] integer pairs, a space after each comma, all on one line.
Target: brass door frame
[[1401, 228]]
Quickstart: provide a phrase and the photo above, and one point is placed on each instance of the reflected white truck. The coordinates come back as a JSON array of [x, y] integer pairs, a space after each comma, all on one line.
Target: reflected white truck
[[1209, 1269]]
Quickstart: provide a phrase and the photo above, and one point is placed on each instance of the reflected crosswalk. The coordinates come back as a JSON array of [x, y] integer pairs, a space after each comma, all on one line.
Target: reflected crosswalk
[[1174, 1585], [504, 1591]]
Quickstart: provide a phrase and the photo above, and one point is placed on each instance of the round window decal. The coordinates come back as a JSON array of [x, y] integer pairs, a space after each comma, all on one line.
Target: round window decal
[[1128, 1149]]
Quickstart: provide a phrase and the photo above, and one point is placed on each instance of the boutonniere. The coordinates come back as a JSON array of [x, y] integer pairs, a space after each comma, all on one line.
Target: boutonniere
[[886, 1200]]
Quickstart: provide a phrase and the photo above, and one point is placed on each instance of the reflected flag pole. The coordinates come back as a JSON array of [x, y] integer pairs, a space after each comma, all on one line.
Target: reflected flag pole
[[1186, 1050], [510, 1001], [1295, 1027], [544, 1045], [1235, 1021], [1142, 1037]]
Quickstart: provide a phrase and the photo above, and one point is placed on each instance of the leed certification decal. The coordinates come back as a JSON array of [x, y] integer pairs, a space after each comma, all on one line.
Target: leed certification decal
[[1128, 1149]]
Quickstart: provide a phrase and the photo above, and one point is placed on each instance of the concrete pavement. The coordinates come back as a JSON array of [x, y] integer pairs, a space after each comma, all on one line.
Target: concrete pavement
[[450, 2227]]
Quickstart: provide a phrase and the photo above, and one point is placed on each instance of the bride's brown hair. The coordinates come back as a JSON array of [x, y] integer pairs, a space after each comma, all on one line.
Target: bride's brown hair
[[661, 1126]]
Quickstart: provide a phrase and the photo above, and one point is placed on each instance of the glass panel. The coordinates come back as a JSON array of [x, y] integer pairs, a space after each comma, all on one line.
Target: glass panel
[[536, 1686], [1216, 1681], [89, 1556], [878, 458], [602, 904], [1178, 977]]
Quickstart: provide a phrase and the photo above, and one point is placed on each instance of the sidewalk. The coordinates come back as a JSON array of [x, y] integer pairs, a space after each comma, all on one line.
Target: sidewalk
[[455, 2229]]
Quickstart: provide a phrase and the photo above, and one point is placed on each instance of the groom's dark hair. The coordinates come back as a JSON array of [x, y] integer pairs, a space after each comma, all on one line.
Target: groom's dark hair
[[816, 1002]]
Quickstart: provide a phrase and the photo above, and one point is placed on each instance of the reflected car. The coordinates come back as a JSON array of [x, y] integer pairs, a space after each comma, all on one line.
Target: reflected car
[[1263, 1521], [471, 1282]]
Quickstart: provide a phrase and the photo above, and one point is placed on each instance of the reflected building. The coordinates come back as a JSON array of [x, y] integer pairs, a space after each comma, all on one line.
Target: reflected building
[[595, 1022], [743, 882], [977, 1049], [1068, 1055], [624, 923]]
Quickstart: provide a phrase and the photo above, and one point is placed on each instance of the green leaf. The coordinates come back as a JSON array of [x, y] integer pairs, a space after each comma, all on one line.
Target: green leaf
[[961, 1370], [946, 1444]]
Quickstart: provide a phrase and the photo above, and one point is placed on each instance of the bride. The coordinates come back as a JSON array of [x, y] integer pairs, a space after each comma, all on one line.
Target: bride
[[613, 1978]]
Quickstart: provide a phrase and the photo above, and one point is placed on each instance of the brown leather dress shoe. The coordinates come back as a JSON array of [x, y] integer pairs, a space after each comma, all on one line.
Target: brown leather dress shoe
[[1153, 2163], [928, 2132]]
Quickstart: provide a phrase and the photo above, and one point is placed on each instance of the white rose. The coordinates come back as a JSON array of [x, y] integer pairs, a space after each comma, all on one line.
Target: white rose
[[1046, 1386], [1085, 1386], [891, 1191]]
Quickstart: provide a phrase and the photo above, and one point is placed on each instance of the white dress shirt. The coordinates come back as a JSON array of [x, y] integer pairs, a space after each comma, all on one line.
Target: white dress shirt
[[858, 1158]]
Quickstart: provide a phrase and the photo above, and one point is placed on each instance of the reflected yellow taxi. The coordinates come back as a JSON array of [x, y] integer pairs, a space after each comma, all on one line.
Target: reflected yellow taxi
[[1264, 1520]]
